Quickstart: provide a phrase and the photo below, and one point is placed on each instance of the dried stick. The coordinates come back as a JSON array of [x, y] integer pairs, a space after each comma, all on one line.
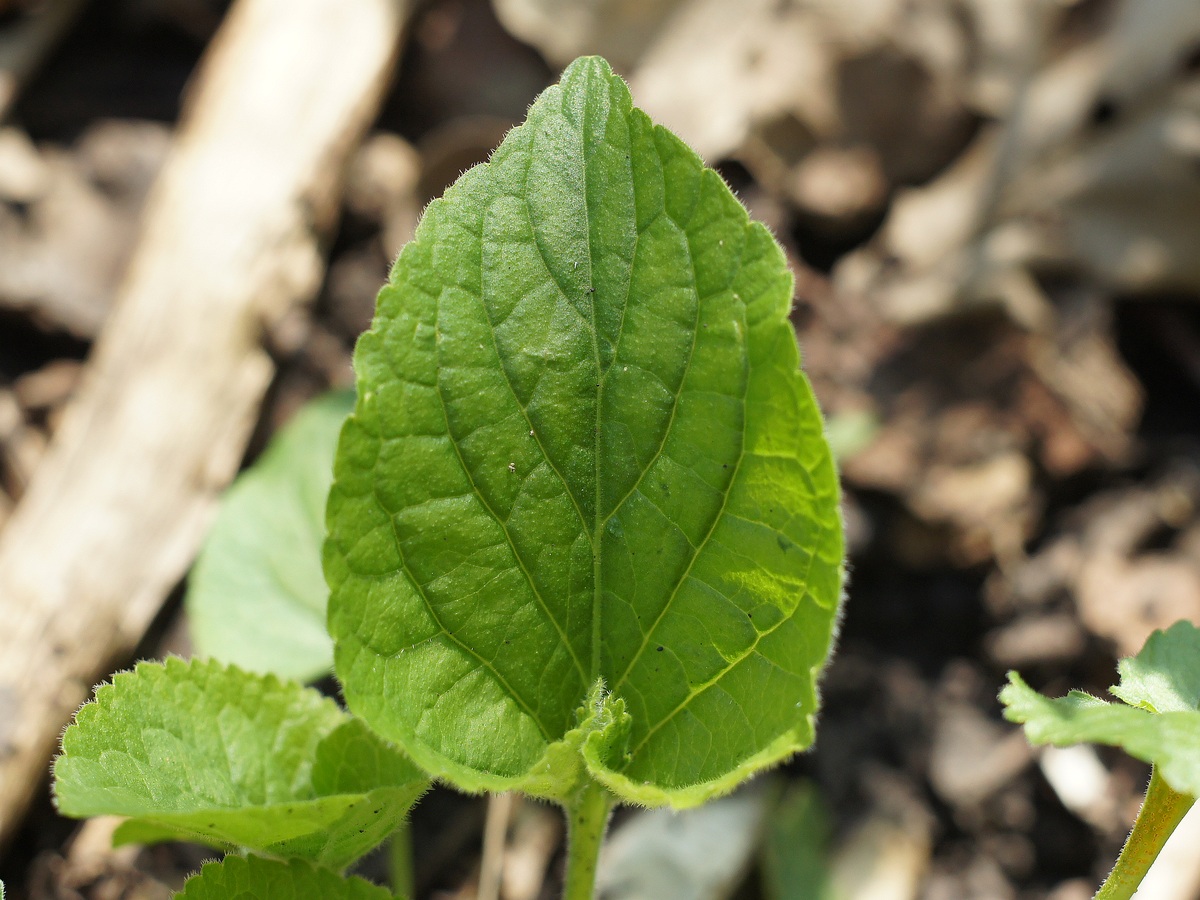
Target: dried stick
[[115, 512]]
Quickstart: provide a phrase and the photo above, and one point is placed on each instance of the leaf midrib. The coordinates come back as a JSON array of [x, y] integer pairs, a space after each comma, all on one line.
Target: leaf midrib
[[602, 380], [601, 520]]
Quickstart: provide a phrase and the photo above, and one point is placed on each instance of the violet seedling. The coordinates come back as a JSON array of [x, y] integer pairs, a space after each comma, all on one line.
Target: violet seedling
[[583, 536]]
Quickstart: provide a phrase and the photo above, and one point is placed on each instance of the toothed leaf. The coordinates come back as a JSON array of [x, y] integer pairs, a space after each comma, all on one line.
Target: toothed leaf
[[255, 878], [201, 752]]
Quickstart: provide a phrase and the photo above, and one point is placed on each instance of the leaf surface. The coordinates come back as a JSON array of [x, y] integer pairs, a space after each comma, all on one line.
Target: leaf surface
[[583, 453], [1158, 722], [255, 878], [198, 751], [256, 596]]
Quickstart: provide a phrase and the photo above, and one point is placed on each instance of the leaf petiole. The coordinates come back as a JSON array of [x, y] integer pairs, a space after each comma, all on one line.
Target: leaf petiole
[[587, 818], [1161, 811]]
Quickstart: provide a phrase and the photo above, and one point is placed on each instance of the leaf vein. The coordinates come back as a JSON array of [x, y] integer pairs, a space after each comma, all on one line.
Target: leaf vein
[[696, 691], [633, 660], [470, 651], [512, 544]]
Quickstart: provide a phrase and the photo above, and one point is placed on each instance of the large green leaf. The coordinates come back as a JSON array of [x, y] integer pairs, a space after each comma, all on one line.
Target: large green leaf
[[216, 755], [583, 452], [255, 878], [256, 597], [1159, 722]]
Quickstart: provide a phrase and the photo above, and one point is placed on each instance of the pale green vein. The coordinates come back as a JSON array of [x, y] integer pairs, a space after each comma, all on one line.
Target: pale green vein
[[724, 497], [686, 572], [508, 377], [512, 544], [687, 366], [454, 639], [697, 690]]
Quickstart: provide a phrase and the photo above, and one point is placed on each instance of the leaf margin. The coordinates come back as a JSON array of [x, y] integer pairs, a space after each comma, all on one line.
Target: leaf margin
[[309, 882]]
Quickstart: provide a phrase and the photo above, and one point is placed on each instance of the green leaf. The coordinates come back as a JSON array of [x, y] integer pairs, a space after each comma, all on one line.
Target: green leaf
[[1160, 726], [256, 596], [201, 752], [255, 878], [1165, 675], [583, 453]]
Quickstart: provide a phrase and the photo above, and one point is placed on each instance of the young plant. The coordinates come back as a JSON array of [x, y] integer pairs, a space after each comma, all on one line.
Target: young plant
[[583, 537], [1158, 721]]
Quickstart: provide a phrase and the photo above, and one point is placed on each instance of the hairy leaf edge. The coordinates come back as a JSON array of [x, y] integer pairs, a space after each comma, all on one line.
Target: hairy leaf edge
[[787, 744]]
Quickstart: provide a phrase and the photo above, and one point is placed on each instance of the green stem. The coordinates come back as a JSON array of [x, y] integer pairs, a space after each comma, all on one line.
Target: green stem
[[587, 817], [1161, 811], [400, 860]]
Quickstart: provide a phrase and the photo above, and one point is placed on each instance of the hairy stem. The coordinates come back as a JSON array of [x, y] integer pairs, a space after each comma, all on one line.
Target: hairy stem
[[1161, 811], [587, 817]]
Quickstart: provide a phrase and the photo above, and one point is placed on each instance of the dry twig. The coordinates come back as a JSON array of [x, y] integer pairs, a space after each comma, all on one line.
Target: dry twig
[[114, 514]]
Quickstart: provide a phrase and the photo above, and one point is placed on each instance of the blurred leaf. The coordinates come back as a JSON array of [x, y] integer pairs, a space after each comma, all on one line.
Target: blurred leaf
[[256, 597], [849, 432], [697, 854]]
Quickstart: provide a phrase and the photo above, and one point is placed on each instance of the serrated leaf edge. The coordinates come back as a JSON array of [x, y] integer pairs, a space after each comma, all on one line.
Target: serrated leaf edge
[[169, 665], [247, 862], [1155, 741], [174, 666]]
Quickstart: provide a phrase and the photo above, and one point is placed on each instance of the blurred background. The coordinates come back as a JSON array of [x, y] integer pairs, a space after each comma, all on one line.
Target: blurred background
[[992, 210]]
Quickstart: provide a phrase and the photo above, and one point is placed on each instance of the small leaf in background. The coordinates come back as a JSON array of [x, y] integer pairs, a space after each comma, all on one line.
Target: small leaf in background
[[256, 597], [198, 751], [584, 453], [1162, 726], [255, 878]]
